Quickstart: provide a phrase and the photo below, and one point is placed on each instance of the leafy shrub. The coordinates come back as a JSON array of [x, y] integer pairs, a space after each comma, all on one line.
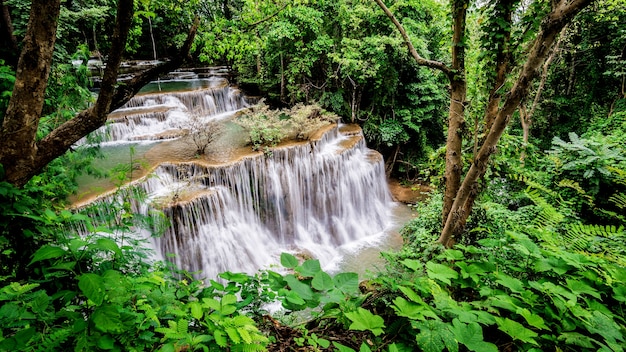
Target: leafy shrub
[[266, 128]]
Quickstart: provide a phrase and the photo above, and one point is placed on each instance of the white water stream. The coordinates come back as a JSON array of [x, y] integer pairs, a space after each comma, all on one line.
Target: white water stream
[[327, 199]]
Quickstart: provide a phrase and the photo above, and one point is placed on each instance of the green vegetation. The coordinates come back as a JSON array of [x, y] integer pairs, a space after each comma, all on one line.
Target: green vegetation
[[539, 265], [266, 127]]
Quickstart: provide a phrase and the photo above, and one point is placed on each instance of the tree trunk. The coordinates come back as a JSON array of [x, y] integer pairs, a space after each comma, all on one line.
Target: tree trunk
[[19, 128], [554, 22], [456, 116], [503, 11]]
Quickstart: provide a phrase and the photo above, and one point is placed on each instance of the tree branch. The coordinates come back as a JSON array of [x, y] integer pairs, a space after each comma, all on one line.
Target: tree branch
[[60, 140], [420, 60]]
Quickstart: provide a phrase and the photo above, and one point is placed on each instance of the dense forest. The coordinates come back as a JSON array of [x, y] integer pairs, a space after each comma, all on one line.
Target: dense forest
[[512, 113]]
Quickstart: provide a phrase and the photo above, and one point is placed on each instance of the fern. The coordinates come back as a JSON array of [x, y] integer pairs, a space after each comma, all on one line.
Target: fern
[[53, 340], [535, 185], [619, 199], [548, 216], [248, 348], [576, 186]]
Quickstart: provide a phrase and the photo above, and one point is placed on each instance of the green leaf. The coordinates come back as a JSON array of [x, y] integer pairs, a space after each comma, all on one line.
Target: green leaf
[[220, 338], [107, 319], [47, 252], [303, 290], [440, 272], [322, 281], [510, 282], [532, 319], [434, 336], [579, 287], [516, 330], [92, 286], [196, 310], [342, 348], [288, 261], [413, 264], [363, 320], [471, 335], [309, 268], [411, 310], [108, 244], [348, 283], [106, 342]]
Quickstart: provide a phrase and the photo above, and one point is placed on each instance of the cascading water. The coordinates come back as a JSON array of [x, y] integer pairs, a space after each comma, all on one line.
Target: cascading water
[[155, 116], [320, 198]]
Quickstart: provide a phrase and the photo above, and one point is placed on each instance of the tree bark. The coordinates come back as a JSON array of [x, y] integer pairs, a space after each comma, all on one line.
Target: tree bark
[[554, 22], [503, 10], [458, 91], [456, 116], [19, 128]]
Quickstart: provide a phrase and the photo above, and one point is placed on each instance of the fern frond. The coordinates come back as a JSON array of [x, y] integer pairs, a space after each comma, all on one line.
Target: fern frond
[[248, 348], [576, 186], [619, 199], [54, 340], [548, 216], [532, 184]]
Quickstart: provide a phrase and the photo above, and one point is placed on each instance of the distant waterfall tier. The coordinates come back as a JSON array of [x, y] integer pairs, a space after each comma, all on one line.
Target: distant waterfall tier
[[310, 198], [170, 115]]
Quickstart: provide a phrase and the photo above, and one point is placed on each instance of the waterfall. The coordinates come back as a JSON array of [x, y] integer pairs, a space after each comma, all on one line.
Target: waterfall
[[154, 116], [310, 198], [321, 198]]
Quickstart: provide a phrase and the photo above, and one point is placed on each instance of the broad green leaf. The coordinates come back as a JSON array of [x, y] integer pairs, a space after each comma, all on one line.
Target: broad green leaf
[[434, 336], [288, 261], [220, 338], [107, 319], [440, 272], [363, 320], [471, 335], [294, 298], [309, 268], [348, 283], [342, 348], [576, 339], [302, 289], [411, 310], [322, 281], [196, 310], [532, 319], [516, 330], [235, 277], [579, 287], [413, 264], [509, 282], [410, 294], [108, 244], [106, 342], [92, 286], [47, 252]]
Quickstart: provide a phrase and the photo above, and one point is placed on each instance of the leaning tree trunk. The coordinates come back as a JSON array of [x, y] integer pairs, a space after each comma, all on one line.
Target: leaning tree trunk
[[21, 120], [504, 10], [20, 155], [561, 14]]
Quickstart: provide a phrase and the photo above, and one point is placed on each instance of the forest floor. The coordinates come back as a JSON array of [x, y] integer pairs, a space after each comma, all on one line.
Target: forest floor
[[408, 192]]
